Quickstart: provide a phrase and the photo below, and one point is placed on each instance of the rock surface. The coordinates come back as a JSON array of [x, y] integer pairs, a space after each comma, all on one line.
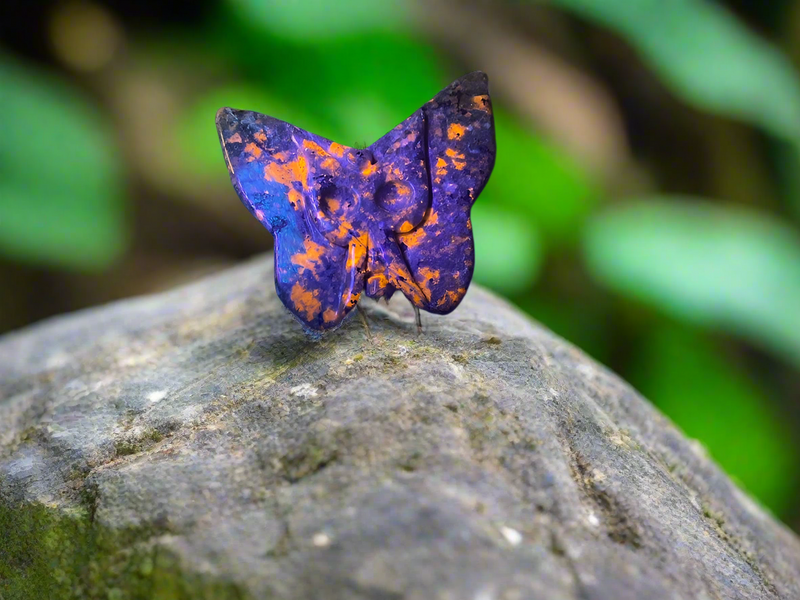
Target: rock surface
[[195, 444]]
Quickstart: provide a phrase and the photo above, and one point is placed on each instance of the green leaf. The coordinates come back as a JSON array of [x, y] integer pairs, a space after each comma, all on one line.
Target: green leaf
[[736, 270], [61, 200], [322, 19], [536, 180], [508, 250], [708, 57], [711, 400]]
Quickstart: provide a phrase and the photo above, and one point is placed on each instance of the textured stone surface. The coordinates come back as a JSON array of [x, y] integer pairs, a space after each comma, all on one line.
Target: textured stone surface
[[195, 444]]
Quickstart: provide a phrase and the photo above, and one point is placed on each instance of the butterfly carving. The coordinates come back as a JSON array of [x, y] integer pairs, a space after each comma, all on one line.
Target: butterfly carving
[[347, 221]]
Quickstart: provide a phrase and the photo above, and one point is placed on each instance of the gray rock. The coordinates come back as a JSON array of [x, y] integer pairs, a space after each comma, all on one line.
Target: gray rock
[[195, 444]]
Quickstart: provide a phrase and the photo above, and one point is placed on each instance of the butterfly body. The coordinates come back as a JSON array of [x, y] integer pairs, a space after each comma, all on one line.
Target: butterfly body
[[390, 217]]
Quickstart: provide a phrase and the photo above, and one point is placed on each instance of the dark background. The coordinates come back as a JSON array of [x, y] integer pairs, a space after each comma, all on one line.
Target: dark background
[[645, 203]]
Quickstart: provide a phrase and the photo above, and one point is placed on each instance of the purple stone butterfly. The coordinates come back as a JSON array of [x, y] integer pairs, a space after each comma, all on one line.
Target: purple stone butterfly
[[347, 221]]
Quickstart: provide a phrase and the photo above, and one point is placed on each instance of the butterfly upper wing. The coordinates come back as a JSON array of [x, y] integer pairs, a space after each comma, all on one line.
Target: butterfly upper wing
[[270, 163], [461, 151]]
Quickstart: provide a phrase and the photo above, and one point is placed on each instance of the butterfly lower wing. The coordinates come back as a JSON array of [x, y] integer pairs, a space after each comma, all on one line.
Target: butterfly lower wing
[[461, 150], [269, 165]]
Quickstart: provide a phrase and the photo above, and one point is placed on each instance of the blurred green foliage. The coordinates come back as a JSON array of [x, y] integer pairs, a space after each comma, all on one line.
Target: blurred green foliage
[[716, 266], [711, 60], [61, 199], [322, 19], [513, 261], [352, 73], [708, 57], [548, 187]]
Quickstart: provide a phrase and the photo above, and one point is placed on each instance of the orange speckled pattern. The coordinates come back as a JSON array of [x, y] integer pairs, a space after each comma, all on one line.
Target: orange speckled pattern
[[347, 221]]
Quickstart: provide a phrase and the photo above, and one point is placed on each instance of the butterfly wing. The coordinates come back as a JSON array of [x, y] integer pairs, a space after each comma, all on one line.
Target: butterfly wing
[[270, 163], [461, 151]]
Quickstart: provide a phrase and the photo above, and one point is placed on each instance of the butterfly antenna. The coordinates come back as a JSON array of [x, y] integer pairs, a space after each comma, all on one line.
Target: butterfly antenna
[[418, 318], [363, 315]]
